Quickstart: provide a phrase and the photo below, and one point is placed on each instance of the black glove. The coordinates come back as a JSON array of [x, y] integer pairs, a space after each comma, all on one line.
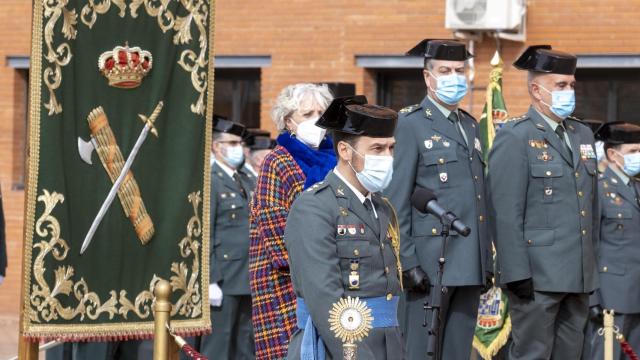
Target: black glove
[[415, 279], [523, 289], [488, 283], [595, 315]]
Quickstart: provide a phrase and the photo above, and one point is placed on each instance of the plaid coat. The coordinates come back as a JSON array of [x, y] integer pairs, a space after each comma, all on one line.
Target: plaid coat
[[274, 304]]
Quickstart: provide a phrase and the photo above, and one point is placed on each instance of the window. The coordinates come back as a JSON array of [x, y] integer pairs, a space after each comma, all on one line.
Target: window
[[237, 95], [398, 88], [608, 94]]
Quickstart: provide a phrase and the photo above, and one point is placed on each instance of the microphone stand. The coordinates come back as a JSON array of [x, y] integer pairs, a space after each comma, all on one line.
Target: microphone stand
[[433, 305]]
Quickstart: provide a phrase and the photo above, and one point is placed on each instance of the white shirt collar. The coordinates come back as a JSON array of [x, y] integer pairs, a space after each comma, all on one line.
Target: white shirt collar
[[250, 168], [446, 112], [361, 197], [229, 171], [621, 175]]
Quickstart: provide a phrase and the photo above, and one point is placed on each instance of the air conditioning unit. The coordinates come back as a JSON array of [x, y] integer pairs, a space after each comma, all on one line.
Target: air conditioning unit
[[484, 14]]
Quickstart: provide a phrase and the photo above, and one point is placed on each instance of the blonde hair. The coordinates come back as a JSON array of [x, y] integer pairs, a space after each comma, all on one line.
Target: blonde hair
[[290, 98]]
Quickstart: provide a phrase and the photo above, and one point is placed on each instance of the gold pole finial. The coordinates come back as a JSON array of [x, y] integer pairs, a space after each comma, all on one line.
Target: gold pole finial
[[162, 313]]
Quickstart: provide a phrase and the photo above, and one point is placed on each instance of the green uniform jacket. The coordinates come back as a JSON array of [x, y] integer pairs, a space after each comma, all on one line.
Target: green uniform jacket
[[619, 250], [328, 229], [544, 205], [230, 232], [430, 153]]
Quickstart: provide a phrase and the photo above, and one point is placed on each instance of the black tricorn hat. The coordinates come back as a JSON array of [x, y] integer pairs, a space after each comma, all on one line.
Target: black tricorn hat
[[593, 124], [223, 125], [619, 132], [541, 58], [263, 143], [352, 115], [250, 135], [441, 50]]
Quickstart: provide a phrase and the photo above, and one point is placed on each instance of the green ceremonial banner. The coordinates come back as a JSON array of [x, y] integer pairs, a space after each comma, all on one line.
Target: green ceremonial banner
[[494, 113], [494, 323], [121, 98]]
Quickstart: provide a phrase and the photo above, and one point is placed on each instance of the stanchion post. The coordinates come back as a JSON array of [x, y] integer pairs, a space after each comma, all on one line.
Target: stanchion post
[[164, 348], [608, 334]]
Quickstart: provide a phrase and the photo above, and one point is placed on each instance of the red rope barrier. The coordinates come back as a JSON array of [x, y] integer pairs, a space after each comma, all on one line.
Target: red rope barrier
[[186, 348], [192, 353], [626, 348]]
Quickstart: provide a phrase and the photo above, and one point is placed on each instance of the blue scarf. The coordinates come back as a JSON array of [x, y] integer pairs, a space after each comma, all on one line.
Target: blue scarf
[[315, 164]]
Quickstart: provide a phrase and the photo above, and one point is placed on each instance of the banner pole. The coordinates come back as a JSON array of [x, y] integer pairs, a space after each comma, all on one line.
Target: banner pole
[[608, 334]]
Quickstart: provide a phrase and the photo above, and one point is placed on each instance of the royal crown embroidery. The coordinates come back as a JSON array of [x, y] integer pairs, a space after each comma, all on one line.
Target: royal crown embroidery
[[125, 67]]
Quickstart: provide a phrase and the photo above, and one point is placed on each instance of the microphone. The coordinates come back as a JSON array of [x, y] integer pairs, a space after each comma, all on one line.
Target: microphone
[[425, 201]]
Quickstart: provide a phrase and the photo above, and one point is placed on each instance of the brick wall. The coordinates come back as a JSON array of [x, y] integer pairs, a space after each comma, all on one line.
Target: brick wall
[[317, 41]]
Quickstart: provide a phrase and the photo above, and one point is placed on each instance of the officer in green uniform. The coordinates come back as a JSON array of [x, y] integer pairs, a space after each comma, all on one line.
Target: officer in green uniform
[[619, 250], [229, 295], [258, 144], [542, 186], [341, 237], [439, 148]]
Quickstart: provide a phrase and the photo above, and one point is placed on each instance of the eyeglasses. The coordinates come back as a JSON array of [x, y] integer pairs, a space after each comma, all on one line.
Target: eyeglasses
[[231, 142]]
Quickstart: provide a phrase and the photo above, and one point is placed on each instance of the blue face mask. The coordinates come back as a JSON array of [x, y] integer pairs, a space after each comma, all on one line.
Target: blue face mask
[[562, 102], [451, 88], [233, 155], [631, 164]]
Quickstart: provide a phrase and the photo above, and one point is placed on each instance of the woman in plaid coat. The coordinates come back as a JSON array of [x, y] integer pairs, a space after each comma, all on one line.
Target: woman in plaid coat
[[302, 158]]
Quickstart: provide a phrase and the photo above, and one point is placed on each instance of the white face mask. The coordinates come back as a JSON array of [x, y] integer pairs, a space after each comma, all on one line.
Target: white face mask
[[310, 134], [233, 155], [377, 172]]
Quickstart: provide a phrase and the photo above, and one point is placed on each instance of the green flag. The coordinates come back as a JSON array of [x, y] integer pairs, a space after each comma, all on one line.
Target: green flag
[[494, 112], [120, 104], [494, 323]]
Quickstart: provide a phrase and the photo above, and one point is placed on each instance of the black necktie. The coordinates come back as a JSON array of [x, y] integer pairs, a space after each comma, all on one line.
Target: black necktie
[[560, 131], [456, 122], [634, 186], [369, 205], [236, 178]]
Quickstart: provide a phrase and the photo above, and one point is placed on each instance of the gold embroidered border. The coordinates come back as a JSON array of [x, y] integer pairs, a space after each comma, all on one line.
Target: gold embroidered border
[[46, 307], [60, 55], [191, 62], [104, 331]]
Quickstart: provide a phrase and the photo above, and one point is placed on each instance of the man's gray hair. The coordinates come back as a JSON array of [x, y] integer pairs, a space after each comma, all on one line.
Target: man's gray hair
[[290, 98]]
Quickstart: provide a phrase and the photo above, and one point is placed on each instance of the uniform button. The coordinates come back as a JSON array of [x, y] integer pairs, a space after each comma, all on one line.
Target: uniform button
[[356, 252], [479, 197], [226, 256], [583, 213], [382, 246], [386, 269], [475, 177], [584, 232], [389, 296], [548, 173], [605, 269], [441, 161], [434, 231], [481, 218], [233, 216], [580, 193], [619, 216], [233, 206], [620, 227], [529, 241], [577, 174], [470, 158]]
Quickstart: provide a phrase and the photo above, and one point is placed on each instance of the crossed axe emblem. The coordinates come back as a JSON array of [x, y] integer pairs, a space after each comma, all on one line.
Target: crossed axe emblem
[[103, 141]]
